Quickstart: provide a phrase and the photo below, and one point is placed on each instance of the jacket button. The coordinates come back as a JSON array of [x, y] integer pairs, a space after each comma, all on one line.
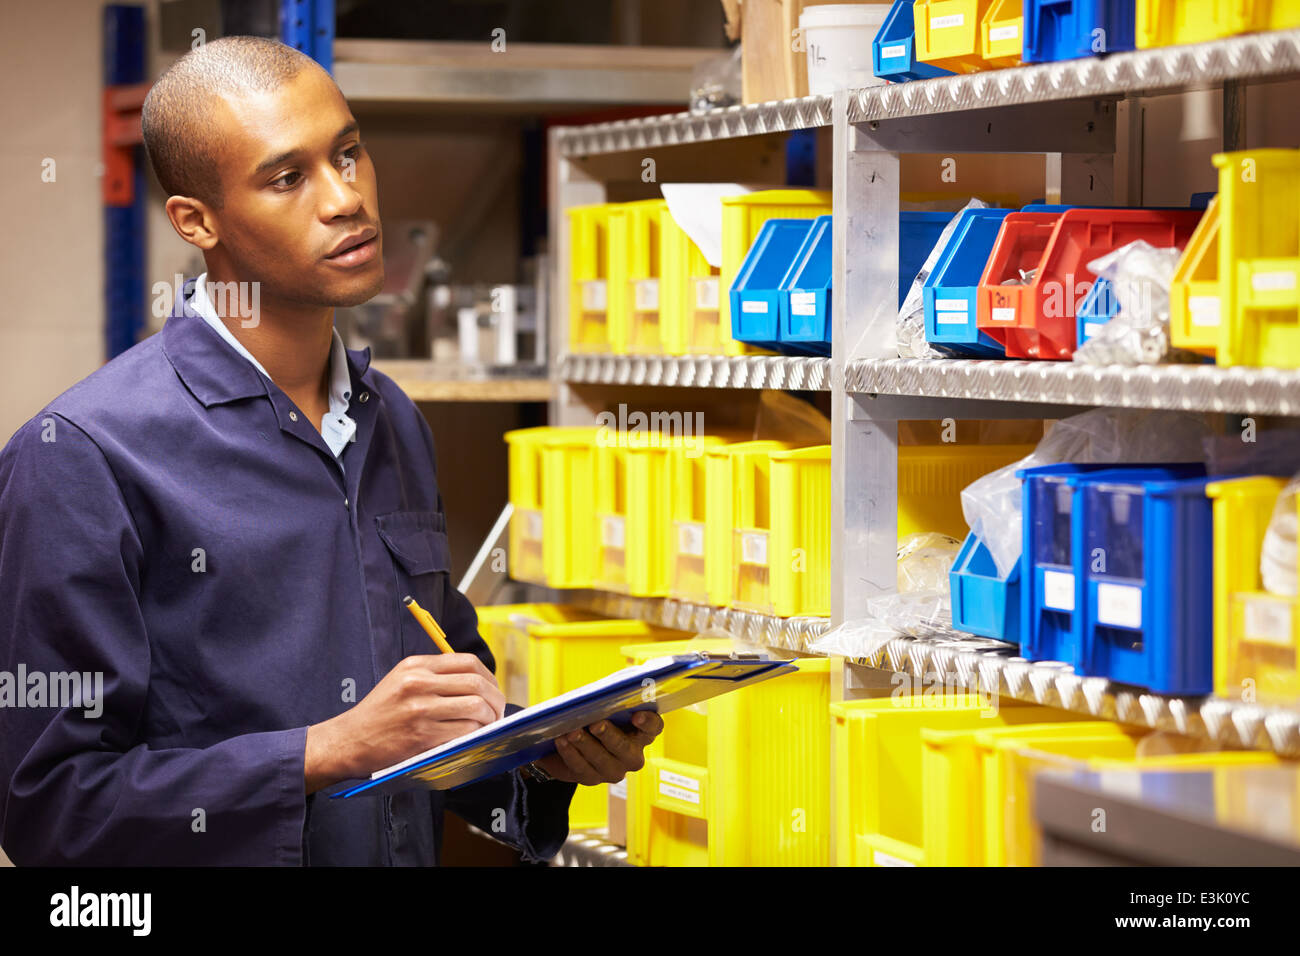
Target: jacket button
[[293, 416], [363, 397], [345, 502]]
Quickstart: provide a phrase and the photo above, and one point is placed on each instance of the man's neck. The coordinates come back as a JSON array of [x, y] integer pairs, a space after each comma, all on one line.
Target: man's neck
[[293, 344]]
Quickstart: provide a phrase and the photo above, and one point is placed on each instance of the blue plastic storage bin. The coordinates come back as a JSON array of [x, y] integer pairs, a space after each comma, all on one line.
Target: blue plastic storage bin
[[806, 293], [893, 54], [1099, 306], [983, 602], [1146, 564], [756, 291], [1050, 592], [950, 289], [1066, 29]]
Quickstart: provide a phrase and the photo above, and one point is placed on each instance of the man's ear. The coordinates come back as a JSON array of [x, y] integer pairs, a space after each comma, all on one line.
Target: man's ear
[[192, 220]]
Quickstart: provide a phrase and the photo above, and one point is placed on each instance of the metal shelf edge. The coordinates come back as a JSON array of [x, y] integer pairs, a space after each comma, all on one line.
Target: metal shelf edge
[[699, 371]]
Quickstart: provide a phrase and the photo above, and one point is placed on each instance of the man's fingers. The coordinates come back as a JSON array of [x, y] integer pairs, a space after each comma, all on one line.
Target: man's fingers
[[450, 664], [582, 769], [609, 766], [621, 744]]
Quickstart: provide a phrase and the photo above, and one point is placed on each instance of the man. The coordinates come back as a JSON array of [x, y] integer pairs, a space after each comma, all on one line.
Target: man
[[220, 525]]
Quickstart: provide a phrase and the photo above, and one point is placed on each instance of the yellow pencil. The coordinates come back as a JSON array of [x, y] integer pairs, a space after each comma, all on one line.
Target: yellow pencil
[[428, 623]]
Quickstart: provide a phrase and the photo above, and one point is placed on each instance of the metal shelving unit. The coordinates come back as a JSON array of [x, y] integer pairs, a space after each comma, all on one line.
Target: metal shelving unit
[[1074, 113]]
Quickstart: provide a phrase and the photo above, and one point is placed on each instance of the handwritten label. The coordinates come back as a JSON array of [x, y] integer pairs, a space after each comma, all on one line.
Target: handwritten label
[[1003, 33], [944, 23], [750, 305], [803, 303], [1004, 315], [753, 547], [894, 49]]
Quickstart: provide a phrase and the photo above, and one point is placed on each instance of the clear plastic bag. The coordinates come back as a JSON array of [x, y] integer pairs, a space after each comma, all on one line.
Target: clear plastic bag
[[924, 561], [716, 82], [911, 315], [991, 504], [1140, 276], [1277, 558]]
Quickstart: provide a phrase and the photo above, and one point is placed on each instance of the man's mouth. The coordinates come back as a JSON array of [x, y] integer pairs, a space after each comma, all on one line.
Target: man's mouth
[[356, 252]]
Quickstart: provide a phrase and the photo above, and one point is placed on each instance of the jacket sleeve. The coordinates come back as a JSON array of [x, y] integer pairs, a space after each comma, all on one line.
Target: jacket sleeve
[[530, 816], [77, 785]]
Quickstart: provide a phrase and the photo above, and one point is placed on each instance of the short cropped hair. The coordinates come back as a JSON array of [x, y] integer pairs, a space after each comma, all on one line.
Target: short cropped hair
[[177, 114]]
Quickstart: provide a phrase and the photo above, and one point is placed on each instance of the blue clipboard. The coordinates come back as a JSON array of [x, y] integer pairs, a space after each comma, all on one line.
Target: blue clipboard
[[661, 685]]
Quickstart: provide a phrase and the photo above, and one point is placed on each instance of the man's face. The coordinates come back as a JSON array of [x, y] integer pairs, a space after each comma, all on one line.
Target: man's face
[[297, 183]]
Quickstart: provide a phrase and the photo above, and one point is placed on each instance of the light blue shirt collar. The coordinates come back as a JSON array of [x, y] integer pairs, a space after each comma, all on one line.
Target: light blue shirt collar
[[337, 427]]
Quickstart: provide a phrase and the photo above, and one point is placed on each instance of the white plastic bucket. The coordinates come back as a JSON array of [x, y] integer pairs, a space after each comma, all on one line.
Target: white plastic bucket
[[838, 38]]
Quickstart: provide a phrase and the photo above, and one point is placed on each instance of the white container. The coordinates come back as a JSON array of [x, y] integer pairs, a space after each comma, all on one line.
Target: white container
[[838, 38]]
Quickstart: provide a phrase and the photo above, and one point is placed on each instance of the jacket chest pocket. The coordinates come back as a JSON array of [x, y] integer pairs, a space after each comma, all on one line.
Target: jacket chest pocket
[[417, 542]]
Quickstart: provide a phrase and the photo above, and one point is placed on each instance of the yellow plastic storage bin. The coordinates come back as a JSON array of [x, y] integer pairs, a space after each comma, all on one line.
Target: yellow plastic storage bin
[[1019, 762], [722, 464], [1195, 308], [1002, 33], [526, 536], [781, 521], [738, 780], [931, 478], [742, 217], [958, 797], [1171, 22], [687, 490], [689, 294], [879, 789], [951, 34], [510, 633], [1256, 633], [1259, 257], [496, 622], [559, 657], [568, 512], [638, 240], [594, 295]]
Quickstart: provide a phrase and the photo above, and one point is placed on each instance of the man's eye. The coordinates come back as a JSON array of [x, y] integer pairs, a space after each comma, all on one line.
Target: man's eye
[[353, 152], [284, 180]]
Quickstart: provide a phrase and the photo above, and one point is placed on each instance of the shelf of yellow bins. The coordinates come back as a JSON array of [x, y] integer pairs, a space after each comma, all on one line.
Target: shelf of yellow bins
[[1259, 257], [565, 656], [1256, 633], [931, 479], [879, 787], [595, 296], [1016, 764], [782, 533], [956, 791], [951, 34], [1174, 22], [742, 217], [689, 295], [739, 780], [685, 559], [725, 465]]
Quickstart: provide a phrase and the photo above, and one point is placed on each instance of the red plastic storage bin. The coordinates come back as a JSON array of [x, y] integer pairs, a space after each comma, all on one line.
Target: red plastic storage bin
[[1038, 320]]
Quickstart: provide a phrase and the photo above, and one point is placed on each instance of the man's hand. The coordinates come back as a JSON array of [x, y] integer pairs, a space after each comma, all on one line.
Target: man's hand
[[424, 701], [602, 753]]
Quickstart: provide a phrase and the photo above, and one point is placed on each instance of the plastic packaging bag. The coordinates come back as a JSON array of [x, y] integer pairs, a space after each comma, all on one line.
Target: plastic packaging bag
[[716, 82], [1277, 558], [1140, 276], [911, 315], [991, 504], [924, 561]]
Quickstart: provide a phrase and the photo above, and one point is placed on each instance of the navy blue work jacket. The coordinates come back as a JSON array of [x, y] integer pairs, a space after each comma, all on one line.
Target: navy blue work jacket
[[167, 523]]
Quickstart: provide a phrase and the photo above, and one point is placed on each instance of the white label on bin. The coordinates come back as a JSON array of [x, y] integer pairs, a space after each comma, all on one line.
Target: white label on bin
[[1003, 33], [647, 295], [706, 293], [751, 305], [1058, 590], [1268, 622], [690, 538], [894, 49], [951, 318], [881, 858], [1005, 314], [677, 793], [619, 789], [803, 303], [952, 20], [951, 305], [1092, 328], [611, 531], [681, 780], [753, 547], [593, 295], [1119, 605], [1204, 310], [533, 525], [1272, 281]]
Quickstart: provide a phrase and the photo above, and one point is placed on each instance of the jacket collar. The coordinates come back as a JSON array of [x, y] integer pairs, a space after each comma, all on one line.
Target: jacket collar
[[210, 368]]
